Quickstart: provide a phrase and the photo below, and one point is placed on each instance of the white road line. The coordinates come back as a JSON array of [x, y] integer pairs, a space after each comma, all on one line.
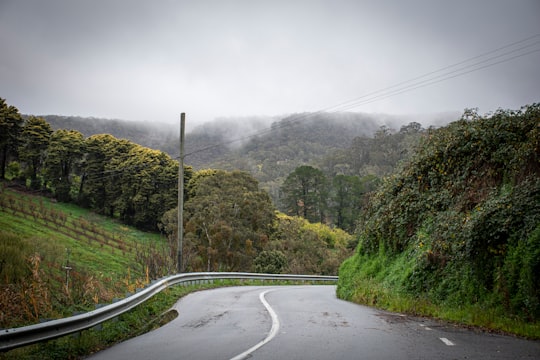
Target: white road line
[[447, 342], [426, 327], [273, 331]]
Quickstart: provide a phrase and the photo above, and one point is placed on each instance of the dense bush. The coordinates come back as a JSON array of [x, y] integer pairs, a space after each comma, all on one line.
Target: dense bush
[[466, 209], [308, 248]]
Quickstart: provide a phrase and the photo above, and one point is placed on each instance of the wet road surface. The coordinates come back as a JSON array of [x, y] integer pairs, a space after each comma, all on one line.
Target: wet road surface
[[306, 322]]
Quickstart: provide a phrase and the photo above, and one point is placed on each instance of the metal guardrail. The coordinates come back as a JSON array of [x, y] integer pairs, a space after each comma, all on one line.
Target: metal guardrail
[[26, 335]]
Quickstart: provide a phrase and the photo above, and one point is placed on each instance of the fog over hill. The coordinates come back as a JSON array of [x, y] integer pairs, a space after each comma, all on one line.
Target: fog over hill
[[224, 141], [238, 136], [235, 129]]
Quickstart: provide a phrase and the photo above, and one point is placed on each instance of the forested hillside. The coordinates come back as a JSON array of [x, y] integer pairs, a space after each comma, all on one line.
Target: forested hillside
[[458, 225], [94, 163], [288, 138], [351, 144], [229, 220], [271, 148]]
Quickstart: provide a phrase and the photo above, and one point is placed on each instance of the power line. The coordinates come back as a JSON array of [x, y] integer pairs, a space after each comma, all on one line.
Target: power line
[[445, 76], [441, 69], [402, 87]]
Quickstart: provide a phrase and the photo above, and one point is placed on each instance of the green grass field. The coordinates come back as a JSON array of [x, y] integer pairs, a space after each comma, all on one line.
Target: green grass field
[[96, 243], [106, 258]]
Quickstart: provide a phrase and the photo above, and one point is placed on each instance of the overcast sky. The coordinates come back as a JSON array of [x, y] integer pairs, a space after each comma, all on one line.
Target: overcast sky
[[152, 60]]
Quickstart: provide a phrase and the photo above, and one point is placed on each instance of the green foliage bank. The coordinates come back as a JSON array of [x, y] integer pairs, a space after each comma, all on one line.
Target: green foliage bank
[[455, 233]]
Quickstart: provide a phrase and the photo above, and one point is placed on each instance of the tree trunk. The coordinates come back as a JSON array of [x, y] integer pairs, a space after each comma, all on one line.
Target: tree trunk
[[3, 163]]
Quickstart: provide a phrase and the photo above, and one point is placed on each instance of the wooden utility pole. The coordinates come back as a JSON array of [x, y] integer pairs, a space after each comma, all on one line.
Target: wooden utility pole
[[181, 193]]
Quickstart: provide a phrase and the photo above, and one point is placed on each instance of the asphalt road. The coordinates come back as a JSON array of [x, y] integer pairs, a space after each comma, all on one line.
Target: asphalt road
[[306, 322]]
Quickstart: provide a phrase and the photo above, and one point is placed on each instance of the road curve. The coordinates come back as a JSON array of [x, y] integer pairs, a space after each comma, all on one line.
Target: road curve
[[306, 322]]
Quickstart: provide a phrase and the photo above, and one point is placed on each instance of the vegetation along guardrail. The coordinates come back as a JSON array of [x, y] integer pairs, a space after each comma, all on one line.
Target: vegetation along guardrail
[[26, 335]]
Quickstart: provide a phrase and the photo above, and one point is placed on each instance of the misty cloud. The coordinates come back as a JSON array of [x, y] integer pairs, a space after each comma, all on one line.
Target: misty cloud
[[137, 60]]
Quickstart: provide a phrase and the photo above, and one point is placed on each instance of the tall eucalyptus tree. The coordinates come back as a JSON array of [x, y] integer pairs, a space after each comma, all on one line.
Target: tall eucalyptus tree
[[64, 155], [11, 124], [35, 137], [305, 194]]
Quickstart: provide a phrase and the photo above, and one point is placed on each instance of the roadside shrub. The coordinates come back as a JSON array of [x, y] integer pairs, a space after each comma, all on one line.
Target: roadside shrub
[[270, 262]]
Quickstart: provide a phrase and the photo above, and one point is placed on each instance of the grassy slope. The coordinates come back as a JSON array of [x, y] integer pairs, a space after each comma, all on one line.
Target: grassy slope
[[85, 255], [102, 252], [455, 233]]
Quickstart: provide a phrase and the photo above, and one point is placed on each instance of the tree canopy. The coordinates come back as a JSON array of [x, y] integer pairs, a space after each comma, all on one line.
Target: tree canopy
[[228, 219], [35, 137], [305, 192], [11, 124], [64, 155], [111, 176]]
